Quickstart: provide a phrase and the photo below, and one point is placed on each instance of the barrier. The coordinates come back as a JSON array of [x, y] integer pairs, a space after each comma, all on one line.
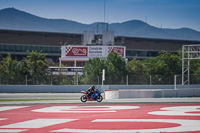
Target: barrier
[[168, 90], [156, 93], [43, 88]]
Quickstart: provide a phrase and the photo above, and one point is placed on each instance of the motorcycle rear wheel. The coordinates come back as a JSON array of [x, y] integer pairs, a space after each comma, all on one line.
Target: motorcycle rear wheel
[[83, 99], [99, 98]]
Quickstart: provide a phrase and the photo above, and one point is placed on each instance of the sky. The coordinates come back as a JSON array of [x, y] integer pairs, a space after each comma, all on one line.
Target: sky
[[172, 14]]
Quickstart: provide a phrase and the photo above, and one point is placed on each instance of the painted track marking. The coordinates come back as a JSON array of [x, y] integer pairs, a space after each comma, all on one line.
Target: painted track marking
[[178, 111], [5, 108], [37, 123], [101, 118], [86, 109]]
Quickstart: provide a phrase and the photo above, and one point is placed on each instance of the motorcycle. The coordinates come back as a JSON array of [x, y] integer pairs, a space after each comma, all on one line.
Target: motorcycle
[[96, 96]]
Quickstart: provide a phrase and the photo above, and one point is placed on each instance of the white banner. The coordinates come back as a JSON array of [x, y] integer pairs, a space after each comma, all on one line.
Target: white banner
[[96, 51]]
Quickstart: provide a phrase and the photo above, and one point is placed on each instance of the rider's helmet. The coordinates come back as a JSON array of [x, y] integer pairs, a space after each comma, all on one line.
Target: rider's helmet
[[93, 87]]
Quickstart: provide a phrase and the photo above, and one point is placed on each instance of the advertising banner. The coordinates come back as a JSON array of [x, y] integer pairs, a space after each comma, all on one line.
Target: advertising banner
[[96, 51], [119, 50], [76, 51], [92, 51]]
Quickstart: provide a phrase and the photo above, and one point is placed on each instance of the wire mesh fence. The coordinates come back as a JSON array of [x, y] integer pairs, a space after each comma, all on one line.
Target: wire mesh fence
[[62, 79]]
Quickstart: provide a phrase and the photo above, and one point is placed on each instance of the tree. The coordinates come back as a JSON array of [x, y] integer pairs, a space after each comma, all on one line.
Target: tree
[[195, 66], [34, 65], [92, 71], [9, 69], [115, 67], [172, 63], [166, 64], [136, 67], [152, 66], [137, 72], [163, 67]]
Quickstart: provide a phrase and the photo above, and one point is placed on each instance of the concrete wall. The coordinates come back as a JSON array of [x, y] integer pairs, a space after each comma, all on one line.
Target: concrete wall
[[151, 86], [147, 93], [43, 88], [78, 88], [140, 94]]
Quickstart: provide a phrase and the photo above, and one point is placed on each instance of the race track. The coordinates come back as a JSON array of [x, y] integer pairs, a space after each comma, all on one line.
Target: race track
[[100, 118]]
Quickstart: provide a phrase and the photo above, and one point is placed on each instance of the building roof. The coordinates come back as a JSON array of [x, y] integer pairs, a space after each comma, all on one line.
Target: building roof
[[48, 34]]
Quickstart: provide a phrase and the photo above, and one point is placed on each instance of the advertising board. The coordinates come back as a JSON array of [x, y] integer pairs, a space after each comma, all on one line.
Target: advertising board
[[91, 51], [76, 51]]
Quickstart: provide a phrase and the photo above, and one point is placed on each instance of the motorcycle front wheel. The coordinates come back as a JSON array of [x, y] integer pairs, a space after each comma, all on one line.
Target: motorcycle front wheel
[[99, 98], [83, 99]]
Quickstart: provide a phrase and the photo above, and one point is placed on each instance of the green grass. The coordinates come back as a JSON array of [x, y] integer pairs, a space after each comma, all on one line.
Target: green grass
[[13, 100]]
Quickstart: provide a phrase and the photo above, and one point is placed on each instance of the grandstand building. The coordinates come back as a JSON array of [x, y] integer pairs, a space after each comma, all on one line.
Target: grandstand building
[[18, 42]]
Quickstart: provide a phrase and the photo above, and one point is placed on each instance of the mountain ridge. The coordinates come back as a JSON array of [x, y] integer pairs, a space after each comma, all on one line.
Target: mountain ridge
[[14, 19]]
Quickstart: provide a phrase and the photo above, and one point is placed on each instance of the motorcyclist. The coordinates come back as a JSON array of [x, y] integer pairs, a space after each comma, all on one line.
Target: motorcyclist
[[90, 91]]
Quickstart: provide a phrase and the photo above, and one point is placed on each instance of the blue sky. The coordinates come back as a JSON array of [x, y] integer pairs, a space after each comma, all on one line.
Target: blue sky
[[160, 13]]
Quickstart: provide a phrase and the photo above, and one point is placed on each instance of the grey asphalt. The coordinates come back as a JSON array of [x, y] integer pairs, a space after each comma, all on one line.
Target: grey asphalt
[[73, 98]]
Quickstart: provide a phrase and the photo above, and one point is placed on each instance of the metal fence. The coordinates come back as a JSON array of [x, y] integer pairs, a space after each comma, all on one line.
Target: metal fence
[[97, 80]]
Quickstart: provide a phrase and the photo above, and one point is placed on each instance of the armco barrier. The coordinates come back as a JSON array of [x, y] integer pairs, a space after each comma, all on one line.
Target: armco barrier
[[48, 88], [196, 92], [185, 93], [169, 93], [43, 88], [78, 88]]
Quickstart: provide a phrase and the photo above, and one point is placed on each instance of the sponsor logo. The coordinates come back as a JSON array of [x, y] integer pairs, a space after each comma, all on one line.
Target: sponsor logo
[[118, 50], [76, 51]]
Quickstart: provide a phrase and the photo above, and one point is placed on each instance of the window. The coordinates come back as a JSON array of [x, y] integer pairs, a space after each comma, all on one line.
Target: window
[[80, 64], [133, 53]]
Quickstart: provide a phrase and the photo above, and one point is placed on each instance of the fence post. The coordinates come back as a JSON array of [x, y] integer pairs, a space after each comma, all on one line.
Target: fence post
[[51, 79], [98, 79], [150, 80], [26, 79], [175, 82], [126, 79], [77, 78], [103, 75]]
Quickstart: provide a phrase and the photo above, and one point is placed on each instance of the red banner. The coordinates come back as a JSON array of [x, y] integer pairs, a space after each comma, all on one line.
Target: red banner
[[118, 50], [76, 51]]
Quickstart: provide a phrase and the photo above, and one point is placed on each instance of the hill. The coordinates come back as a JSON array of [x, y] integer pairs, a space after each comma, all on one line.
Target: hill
[[14, 19]]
